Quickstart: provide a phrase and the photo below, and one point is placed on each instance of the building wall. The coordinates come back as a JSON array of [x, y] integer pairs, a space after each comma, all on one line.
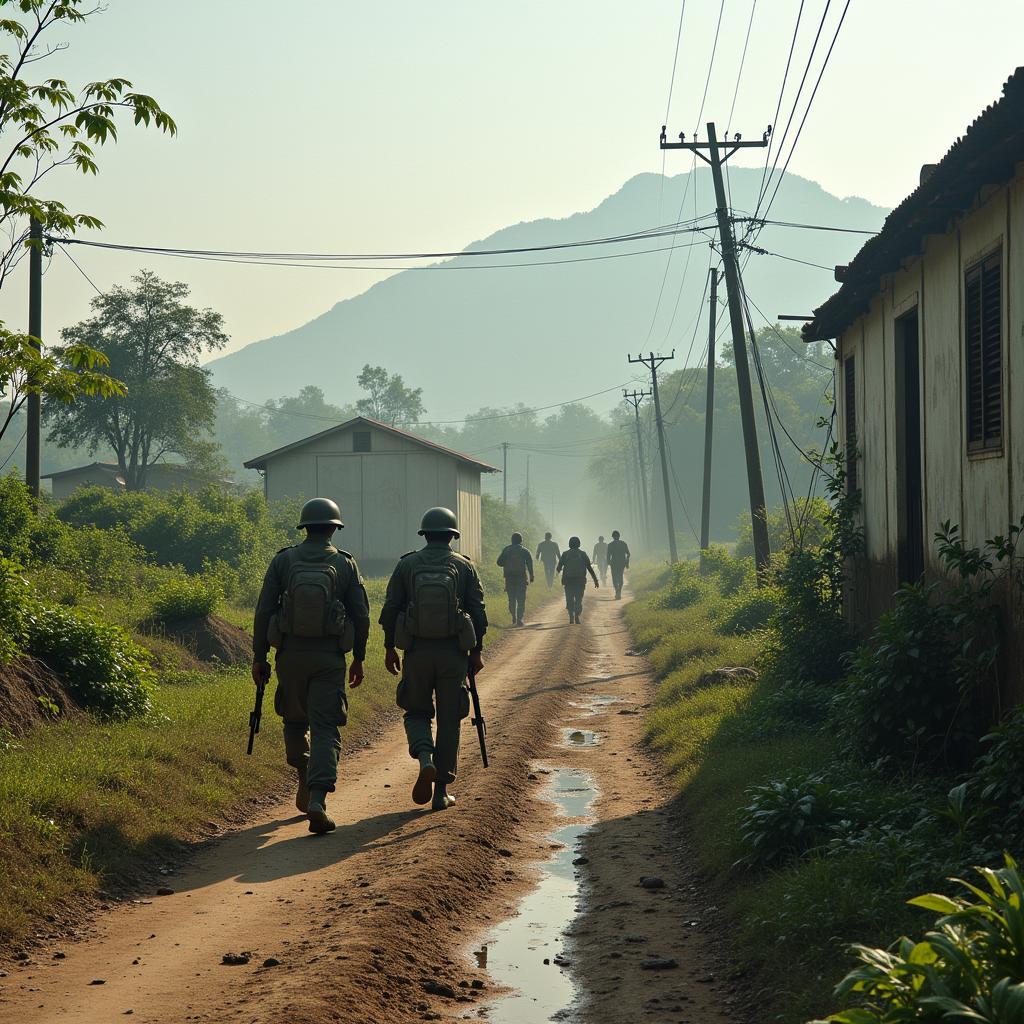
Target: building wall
[[64, 486], [982, 493], [469, 512], [382, 493]]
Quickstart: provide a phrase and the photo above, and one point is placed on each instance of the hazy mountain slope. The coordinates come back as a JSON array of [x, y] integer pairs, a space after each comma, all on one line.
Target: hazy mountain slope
[[567, 328]]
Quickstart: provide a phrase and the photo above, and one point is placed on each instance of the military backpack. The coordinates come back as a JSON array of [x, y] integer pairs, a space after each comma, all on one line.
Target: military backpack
[[310, 606], [434, 611]]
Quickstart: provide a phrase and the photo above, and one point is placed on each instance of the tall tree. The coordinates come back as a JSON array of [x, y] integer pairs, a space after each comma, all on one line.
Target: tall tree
[[153, 340], [387, 398], [45, 125]]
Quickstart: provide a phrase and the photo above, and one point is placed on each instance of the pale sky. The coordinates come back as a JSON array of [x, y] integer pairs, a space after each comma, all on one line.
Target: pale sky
[[392, 126]]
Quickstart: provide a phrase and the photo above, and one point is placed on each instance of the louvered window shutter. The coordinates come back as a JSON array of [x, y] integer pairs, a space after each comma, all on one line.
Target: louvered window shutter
[[850, 415], [983, 319]]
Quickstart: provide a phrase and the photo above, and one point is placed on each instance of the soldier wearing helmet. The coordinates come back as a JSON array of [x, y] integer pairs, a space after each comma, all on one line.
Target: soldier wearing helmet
[[313, 608], [434, 611], [517, 564], [574, 564]]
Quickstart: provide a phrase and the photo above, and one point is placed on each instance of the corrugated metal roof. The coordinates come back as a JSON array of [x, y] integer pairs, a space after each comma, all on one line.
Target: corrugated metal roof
[[987, 154], [261, 460]]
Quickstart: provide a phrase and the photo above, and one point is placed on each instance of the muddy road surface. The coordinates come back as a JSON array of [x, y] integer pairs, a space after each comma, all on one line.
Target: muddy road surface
[[524, 903]]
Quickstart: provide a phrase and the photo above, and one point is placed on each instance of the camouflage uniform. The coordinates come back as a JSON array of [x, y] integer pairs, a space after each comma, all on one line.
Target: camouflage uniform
[[310, 695], [434, 670], [518, 566]]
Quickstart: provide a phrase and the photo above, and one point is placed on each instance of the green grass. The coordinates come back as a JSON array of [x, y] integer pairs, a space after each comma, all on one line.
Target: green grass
[[718, 740]]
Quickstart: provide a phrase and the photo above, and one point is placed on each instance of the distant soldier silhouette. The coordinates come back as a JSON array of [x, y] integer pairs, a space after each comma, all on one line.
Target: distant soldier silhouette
[[618, 561], [574, 564], [600, 557], [547, 554], [518, 566]]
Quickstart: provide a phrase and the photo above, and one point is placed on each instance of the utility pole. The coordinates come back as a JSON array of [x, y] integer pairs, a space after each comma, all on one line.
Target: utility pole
[[504, 472], [709, 417], [634, 398], [755, 484], [33, 426], [652, 362], [527, 511]]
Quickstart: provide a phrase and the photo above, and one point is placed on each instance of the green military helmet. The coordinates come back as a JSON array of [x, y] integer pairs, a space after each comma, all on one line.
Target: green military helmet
[[320, 512], [439, 520]]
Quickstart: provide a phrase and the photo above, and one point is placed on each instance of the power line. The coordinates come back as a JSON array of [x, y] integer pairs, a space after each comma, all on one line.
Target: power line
[[778, 255], [760, 222], [17, 445], [785, 341]]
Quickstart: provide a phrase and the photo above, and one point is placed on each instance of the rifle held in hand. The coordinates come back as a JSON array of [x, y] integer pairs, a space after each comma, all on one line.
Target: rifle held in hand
[[478, 718], [256, 715]]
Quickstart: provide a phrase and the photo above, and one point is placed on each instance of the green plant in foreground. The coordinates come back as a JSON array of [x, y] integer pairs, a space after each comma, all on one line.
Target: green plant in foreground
[[970, 967], [788, 816]]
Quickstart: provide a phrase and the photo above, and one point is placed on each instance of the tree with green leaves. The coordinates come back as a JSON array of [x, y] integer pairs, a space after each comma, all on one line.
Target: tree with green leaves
[[153, 341], [388, 399], [46, 125]]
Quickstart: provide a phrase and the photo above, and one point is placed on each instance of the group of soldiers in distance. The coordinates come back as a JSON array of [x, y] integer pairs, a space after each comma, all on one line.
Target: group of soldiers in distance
[[314, 610], [573, 564]]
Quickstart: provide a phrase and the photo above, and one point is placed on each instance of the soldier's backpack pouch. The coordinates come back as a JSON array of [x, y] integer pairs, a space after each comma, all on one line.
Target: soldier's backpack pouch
[[466, 635], [402, 639], [308, 606], [433, 612], [274, 634]]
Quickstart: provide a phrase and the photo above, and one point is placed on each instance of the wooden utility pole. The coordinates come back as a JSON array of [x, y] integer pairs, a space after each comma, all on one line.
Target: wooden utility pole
[[755, 484], [709, 417], [652, 362], [634, 398], [504, 472], [33, 407]]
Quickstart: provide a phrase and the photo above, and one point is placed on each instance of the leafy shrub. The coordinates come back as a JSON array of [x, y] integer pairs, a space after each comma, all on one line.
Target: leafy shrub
[[14, 603], [749, 609], [686, 587], [910, 695], [185, 597], [59, 586], [101, 668], [810, 519], [730, 573], [786, 817], [998, 775], [969, 967], [16, 516]]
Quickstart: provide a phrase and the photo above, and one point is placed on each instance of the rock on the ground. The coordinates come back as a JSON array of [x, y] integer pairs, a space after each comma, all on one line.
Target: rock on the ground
[[659, 964], [652, 882]]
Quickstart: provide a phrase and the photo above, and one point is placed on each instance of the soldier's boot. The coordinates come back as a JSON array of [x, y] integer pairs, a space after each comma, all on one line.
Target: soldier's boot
[[302, 792], [425, 780], [442, 798], [320, 822]]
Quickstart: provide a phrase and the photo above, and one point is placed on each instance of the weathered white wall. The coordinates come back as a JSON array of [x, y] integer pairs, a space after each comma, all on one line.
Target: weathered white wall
[[469, 513], [64, 486], [982, 492], [382, 493]]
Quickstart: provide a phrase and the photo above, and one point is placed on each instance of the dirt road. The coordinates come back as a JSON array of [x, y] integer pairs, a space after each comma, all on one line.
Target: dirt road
[[377, 922]]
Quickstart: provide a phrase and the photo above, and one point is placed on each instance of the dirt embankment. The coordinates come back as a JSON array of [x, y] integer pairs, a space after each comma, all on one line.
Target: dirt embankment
[[209, 639], [30, 693]]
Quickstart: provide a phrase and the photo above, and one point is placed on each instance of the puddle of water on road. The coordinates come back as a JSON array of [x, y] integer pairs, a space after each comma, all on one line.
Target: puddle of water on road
[[596, 704], [580, 737], [515, 951]]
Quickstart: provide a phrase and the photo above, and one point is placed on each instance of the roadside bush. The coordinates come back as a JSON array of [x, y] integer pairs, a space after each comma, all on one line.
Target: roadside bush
[[997, 778], [810, 520], [969, 967], [14, 601], [731, 573], [101, 668], [686, 587], [16, 517], [185, 597], [749, 609], [788, 816]]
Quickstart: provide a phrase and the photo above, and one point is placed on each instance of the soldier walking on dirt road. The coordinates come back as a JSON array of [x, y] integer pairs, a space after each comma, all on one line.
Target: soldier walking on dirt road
[[518, 566], [618, 561], [574, 564], [434, 611], [600, 557], [547, 554], [313, 609]]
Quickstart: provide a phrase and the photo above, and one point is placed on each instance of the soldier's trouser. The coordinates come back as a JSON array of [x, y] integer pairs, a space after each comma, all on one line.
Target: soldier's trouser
[[435, 671], [574, 596], [549, 572], [516, 590], [602, 568], [311, 699], [617, 571]]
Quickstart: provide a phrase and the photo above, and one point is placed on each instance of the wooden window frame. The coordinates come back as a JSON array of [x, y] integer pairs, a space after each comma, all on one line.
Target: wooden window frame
[[981, 437]]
